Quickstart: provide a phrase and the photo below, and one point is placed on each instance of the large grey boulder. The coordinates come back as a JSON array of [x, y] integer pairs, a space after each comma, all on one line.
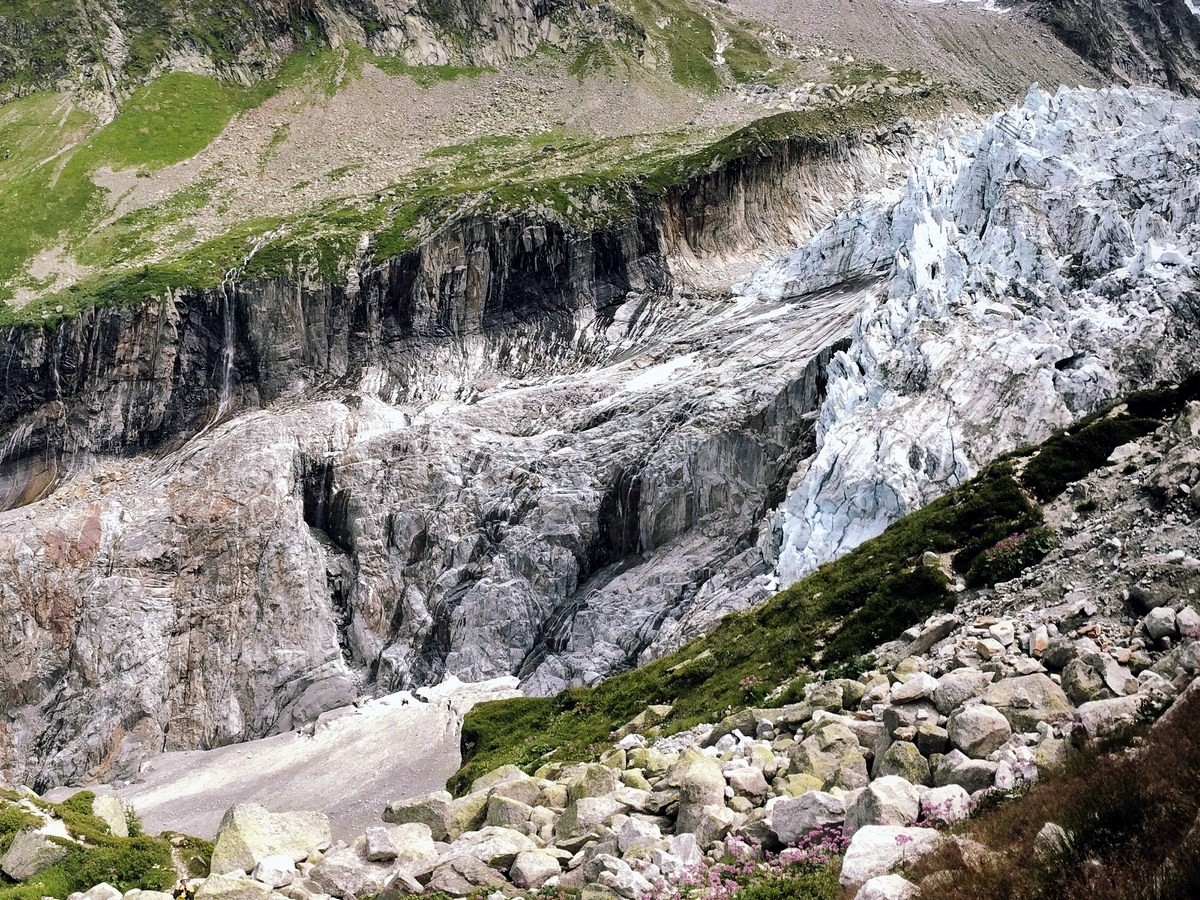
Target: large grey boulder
[[791, 818], [432, 810], [888, 887], [902, 758], [972, 774], [409, 847], [467, 813], [978, 729], [111, 811], [957, 687], [889, 800], [749, 782], [619, 876], [463, 876], [700, 783], [945, 806], [877, 849], [234, 886], [347, 871], [249, 834], [1102, 719], [1160, 623], [533, 868], [1081, 683], [917, 687], [593, 780], [581, 818], [713, 823], [504, 812], [29, 853], [1027, 700], [276, 871], [497, 847], [102, 891]]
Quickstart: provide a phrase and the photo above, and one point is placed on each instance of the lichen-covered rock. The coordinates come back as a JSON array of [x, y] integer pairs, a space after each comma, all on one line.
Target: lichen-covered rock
[[903, 759], [832, 755], [1027, 700], [700, 783], [249, 834]]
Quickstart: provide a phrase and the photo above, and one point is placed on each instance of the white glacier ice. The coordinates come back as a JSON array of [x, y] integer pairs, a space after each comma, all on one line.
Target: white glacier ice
[[1034, 269]]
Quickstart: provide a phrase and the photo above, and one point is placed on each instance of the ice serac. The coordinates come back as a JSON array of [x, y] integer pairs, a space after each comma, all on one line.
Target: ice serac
[[516, 449], [1036, 269]]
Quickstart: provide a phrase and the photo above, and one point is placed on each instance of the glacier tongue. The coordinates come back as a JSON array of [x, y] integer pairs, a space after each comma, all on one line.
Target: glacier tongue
[[1037, 268]]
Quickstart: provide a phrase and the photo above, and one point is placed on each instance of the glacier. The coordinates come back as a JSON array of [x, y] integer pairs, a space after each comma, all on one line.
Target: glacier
[[1036, 268]]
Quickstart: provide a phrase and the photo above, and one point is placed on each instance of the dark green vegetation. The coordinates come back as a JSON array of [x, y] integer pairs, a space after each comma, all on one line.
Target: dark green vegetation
[[194, 854], [820, 884], [138, 861], [867, 597], [1012, 556], [1131, 819], [13, 820]]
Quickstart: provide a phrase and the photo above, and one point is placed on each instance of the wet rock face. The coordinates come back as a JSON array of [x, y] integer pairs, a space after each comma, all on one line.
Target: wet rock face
[[512, 450]]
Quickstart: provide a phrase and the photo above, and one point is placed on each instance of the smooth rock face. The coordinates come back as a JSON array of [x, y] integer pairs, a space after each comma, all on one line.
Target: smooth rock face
[[559, 403], [249, 834]]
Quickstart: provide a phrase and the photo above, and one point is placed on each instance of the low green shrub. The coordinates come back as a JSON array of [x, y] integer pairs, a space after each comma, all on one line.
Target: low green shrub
[[1012, 556], [138, 861], [13, 820]]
